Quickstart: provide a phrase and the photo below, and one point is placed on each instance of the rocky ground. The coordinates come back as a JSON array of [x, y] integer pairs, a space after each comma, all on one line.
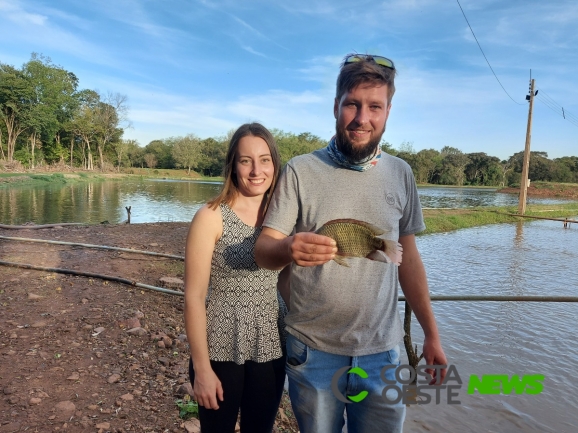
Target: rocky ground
[[83, 354]]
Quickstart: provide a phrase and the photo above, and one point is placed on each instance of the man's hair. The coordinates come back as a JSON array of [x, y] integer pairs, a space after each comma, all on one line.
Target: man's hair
[[230, 188], [364, 71]]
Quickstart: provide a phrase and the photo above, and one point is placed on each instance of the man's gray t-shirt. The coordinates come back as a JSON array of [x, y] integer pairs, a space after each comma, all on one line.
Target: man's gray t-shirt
[[345, 310]]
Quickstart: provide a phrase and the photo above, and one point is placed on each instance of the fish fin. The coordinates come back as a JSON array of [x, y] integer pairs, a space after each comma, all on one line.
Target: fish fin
[[340, 261], [393, 251], [378, 256], [376, 230]]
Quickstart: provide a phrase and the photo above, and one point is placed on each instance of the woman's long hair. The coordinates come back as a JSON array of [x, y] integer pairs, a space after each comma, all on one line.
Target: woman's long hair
[[230, 186]]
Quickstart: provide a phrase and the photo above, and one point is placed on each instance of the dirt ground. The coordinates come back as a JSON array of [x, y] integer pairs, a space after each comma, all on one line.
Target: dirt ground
[[82, 354]]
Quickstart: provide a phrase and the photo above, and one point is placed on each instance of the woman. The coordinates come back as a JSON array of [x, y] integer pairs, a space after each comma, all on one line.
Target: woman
[[231, 306]]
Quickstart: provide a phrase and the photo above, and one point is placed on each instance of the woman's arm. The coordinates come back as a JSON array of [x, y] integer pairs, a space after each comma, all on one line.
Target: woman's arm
[[206, 228]]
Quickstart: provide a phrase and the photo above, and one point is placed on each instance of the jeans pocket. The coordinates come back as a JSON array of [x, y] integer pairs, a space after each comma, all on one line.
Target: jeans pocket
[[393, 355], [297, 352]]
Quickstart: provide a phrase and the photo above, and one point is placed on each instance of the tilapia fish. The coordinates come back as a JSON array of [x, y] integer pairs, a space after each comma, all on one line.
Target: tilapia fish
[[356, 238]]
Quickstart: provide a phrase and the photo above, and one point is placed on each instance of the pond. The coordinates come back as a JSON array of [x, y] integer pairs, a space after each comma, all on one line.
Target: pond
[[173, 200]]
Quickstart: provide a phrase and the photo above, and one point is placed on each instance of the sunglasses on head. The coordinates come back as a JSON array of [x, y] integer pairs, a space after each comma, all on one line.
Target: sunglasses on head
[[380, 60]]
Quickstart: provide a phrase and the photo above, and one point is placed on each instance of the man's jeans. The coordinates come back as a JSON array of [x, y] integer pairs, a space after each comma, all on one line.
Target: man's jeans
[[319, 410]]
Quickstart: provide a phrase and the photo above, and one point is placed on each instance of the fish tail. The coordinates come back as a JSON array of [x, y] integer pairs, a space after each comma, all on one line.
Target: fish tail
[[393, 251]]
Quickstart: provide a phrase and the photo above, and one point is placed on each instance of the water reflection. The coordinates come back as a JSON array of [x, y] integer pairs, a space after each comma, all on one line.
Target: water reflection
[[172, 200], [95, 202]]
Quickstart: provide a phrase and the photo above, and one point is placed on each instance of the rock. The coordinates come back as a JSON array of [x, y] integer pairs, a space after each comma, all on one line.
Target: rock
[[193, 426], [185, 389], [114, 378], [133, 322], [172, 283], [14, 399], [137, 331], [13, 335], [9, 390], [139, 314], [103, 425], [84, 301], [127, 397], [35, 400], [10, 427], [39, 324], [161, 344], [73, 376], [165, 361], [154, 244], [34, 297], [168, 342], [97, 331], [64, 410]]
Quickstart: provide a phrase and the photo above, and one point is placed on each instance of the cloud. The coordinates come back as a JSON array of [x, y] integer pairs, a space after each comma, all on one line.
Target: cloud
[[252, 51], [13, 12]]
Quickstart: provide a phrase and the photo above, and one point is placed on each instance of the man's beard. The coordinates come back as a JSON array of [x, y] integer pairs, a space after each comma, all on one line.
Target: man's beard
[[355, 154]]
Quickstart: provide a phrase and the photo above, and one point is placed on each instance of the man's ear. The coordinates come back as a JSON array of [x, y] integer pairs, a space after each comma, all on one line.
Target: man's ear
[[336, 108]]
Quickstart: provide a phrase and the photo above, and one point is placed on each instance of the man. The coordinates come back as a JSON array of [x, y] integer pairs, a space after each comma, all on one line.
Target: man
[[347, 316]]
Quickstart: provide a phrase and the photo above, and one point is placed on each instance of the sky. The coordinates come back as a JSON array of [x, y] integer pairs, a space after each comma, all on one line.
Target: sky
[[205, 67]]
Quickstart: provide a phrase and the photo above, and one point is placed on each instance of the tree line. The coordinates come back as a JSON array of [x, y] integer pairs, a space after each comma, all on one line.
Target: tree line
[[46, 119], [451, 166]]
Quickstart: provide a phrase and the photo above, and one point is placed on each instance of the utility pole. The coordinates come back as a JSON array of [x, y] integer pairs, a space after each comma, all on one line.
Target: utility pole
[[524, 181]]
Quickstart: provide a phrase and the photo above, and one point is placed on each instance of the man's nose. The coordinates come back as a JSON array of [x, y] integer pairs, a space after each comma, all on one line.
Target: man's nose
[[362, 116]]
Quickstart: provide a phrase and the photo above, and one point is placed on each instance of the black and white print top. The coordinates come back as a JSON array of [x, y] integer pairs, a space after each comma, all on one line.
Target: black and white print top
[[244, 310]]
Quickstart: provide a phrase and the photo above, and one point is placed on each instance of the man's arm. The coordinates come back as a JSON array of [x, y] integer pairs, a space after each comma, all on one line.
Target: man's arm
[[274, 250], [413, 280]]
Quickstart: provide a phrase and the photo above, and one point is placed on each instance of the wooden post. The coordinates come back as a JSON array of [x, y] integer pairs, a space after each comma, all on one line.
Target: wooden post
[[128, 214], [524, 182]]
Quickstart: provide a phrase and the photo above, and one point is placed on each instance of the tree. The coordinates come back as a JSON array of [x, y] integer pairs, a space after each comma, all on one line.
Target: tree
[[83, 124], [121, 148], [15, 91], [163, 151], [186, 151], [428, 161], [109, 114], [213, 154], [483, 169], [387, 147], [52, 89], [150, 160], [453, 164]]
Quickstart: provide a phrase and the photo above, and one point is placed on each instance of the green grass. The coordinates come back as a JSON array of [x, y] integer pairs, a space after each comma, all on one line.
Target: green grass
[[446, 220]]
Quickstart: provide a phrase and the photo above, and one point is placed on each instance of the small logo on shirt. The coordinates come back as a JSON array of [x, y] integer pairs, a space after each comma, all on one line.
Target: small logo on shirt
[[389, 199]]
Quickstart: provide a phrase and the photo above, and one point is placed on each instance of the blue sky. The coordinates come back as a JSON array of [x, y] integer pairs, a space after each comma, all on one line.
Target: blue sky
[[205, 67]]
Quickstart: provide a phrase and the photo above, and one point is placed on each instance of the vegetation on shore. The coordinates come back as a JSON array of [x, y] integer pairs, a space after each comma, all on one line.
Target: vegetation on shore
[[446, 220]]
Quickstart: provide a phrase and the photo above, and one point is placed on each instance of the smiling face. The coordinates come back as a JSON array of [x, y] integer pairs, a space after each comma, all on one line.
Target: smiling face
[[254, 166], [361, 115]]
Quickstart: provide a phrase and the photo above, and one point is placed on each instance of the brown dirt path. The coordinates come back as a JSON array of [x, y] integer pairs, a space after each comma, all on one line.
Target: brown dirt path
[[67, 360]]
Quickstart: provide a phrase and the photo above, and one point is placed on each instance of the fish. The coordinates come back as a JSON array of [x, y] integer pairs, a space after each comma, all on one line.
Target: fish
[[357, 238]]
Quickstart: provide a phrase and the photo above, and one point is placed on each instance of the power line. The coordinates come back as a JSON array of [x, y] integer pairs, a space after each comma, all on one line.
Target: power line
[[485, 54], [557, 108]]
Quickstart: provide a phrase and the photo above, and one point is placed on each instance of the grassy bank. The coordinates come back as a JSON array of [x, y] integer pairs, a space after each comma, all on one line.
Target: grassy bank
[[8, 179], [39, 177], [445, 220]]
